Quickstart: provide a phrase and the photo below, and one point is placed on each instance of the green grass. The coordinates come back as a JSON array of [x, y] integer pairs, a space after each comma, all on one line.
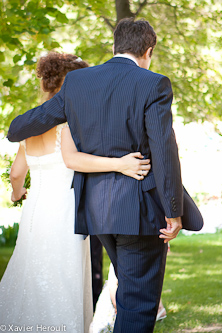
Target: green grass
[[5, 254], [192, 291], [106, 264]]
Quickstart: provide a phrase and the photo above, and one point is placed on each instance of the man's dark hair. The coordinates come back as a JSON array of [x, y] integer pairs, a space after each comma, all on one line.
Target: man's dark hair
[[134, 37]]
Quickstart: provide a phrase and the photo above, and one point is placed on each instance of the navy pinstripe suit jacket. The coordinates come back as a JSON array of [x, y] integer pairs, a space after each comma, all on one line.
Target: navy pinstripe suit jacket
[[114, 109]]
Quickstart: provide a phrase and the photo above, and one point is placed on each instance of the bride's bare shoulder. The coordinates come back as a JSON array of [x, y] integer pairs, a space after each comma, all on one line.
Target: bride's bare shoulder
[[41, 144]]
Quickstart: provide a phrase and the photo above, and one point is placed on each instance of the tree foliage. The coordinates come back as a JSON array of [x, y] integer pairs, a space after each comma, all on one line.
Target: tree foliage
[[189, 39]]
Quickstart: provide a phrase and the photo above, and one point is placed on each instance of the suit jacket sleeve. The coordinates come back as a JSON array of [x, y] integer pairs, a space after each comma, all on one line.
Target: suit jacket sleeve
[[40, 119], [163, 146]]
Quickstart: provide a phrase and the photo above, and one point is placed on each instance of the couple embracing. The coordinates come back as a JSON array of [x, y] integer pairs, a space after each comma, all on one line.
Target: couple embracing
[[114, 109]]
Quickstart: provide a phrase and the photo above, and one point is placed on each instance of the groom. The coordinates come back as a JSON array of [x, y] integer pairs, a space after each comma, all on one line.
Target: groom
[[113, 109]]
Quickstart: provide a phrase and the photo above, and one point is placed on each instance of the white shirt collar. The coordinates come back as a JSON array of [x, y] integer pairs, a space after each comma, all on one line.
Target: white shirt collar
[[127, 56]]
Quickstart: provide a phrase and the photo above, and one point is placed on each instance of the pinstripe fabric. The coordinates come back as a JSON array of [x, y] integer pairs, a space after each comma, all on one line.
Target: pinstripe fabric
[[114, 109], [141, 265]]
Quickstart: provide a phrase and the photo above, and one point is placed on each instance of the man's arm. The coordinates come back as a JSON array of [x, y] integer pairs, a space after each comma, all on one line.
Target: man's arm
[[164, 153], [40, 119]]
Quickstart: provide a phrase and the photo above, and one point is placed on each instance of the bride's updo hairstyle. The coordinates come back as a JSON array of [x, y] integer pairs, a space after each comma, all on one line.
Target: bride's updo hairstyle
[[53, 68]]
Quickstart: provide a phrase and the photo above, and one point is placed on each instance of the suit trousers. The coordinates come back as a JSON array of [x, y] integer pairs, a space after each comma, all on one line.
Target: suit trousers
[[139, 262], [97, 267]]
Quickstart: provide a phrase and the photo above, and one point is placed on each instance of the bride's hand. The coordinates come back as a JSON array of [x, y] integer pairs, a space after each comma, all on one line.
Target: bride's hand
[[133, 165], [17, 197]]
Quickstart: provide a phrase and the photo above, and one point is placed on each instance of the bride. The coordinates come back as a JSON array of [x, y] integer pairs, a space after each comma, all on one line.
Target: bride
[[47, 283]]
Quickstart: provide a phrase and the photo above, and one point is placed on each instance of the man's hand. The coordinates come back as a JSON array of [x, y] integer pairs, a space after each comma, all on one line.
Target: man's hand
[[174, 225]]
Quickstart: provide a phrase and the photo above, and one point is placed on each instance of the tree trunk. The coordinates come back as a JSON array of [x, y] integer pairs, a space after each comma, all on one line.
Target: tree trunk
[[123, 9]]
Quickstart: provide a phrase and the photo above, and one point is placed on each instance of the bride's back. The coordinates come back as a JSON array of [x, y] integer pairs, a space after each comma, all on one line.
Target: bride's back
[[43, 144], [49, 175]]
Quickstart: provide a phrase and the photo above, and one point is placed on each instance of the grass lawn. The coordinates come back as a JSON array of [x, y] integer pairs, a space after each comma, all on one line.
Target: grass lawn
[[192, 291], [5, 254]]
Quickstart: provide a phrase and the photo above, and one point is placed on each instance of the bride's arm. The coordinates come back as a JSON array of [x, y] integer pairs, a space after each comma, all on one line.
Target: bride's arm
[[18, 172], [132, 165]]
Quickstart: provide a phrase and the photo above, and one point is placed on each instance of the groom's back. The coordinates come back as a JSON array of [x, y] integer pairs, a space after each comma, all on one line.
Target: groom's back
[[108, 103], [105, 110]]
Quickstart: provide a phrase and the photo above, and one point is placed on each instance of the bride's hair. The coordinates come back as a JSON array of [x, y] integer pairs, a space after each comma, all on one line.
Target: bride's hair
[[53, 68]]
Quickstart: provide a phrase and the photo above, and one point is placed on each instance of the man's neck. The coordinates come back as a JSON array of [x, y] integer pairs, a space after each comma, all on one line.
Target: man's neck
[[127, 56]]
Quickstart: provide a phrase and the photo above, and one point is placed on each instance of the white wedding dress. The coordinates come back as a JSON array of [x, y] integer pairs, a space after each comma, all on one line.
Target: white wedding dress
[[105, 316], [48, 279]]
